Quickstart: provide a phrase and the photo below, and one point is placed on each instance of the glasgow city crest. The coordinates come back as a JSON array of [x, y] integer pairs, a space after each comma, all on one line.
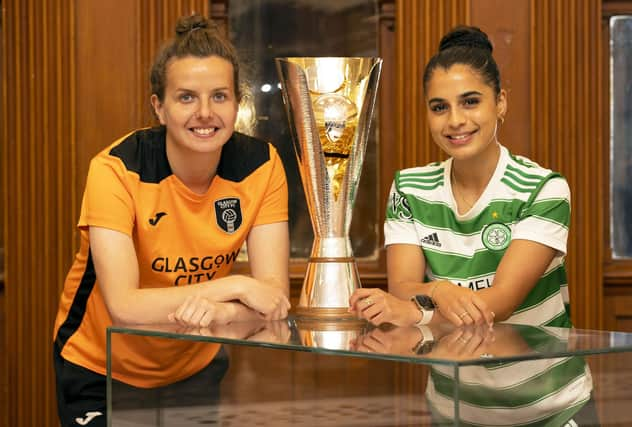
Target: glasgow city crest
[[228, 214]]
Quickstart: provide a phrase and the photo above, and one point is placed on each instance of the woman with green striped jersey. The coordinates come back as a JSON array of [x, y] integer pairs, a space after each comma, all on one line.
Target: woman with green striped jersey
[[480, 237]]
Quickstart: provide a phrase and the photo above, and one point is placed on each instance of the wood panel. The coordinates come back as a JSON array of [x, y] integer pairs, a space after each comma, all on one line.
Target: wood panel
[[420, 25], [566, 120], [38, 164], [618, 308], [508, 27]]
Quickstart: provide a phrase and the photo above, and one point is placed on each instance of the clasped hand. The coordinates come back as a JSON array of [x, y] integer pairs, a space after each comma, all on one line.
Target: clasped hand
[[461, 306], [268, 302]]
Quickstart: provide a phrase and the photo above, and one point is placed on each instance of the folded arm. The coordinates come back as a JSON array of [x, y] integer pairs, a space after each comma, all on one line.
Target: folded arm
[[116, 266]]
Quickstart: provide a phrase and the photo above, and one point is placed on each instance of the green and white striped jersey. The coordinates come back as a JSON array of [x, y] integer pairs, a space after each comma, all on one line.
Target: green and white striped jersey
[[522, 201], [541, 392]]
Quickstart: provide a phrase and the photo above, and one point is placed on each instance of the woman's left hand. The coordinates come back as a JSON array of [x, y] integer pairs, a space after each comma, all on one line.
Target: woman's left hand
[[379, 307], [461, 306]]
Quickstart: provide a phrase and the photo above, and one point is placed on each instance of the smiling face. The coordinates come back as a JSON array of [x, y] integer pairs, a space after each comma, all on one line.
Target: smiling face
[[199, 108], [463, 111]]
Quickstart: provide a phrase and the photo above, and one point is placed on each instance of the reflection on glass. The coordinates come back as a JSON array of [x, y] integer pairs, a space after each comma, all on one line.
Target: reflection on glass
[[621, 136], [543, 392], [309, 28], [549, 392]]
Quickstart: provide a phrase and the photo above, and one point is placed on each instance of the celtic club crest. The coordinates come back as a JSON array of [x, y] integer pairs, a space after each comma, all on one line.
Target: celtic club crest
[[228, 214], [496, 236]]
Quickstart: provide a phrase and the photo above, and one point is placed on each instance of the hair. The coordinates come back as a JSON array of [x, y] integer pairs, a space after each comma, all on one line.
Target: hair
[[468, 46], [195, 36]]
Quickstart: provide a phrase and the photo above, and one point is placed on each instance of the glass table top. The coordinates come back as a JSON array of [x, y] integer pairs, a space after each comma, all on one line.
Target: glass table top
[[435, 345]]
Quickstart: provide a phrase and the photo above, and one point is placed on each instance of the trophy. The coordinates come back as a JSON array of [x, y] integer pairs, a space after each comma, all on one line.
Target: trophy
[[329, 104]]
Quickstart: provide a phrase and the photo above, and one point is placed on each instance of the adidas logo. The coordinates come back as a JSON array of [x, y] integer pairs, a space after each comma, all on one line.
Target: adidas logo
[[432, 239]]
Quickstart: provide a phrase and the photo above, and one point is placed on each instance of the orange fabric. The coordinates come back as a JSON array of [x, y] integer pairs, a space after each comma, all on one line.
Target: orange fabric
[[185, 245]]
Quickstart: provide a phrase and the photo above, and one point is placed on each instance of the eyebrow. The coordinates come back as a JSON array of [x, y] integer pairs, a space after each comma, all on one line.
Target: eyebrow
[[463, 95], [183, 89]]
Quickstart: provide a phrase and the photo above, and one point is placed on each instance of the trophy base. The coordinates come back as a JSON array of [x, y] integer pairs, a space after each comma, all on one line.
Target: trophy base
[[326, 325], [328, 285], [329, 314]]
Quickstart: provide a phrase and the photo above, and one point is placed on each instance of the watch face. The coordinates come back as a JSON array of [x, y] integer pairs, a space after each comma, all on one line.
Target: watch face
[[425, 302]]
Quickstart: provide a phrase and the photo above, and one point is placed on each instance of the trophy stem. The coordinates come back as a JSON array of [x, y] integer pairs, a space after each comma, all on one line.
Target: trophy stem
[[331, 278]]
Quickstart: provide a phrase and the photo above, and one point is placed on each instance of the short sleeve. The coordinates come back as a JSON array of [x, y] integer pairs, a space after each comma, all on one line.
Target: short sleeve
[[546, 218], [107, 199], [274, 205], [399, 226]]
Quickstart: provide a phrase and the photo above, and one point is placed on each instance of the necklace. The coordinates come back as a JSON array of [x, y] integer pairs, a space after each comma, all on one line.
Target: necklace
[[460, 195]]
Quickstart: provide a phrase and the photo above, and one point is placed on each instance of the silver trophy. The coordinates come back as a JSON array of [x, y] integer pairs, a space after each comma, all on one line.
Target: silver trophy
[[329, 103]]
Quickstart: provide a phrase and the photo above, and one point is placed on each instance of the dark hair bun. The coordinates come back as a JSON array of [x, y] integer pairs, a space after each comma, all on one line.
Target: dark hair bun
[[464, 36], [187, 24]]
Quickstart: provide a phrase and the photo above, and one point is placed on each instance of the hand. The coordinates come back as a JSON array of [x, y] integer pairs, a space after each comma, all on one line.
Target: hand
[[469, 342], [461, 306], [399, 340], [269, 301], [379, 307], [197, 311], [276, 331]]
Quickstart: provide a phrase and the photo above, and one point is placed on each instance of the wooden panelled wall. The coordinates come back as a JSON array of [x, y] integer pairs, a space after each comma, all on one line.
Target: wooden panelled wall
[[549, 55], [38, 165], [74, 78]]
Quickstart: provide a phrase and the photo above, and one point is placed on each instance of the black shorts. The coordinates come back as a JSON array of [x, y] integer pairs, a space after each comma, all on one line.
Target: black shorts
[[81, 393]]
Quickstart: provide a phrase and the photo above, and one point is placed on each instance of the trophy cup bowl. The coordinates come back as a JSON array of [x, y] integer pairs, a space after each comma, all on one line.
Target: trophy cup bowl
[[329, 103]]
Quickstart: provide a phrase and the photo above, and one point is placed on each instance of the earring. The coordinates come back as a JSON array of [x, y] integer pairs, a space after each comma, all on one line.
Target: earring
[[502, 120]]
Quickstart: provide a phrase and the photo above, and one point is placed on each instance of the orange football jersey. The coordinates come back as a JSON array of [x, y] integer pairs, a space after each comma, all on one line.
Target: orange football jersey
[[181, 238]]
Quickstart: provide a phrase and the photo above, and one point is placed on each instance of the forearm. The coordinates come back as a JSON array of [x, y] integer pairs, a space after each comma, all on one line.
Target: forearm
[[153, 305], [503, 304], [408, 289], [241, 313]]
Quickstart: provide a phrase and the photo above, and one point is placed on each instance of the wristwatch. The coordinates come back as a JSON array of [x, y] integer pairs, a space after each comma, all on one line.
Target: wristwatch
[[426, 306], [426, 342]]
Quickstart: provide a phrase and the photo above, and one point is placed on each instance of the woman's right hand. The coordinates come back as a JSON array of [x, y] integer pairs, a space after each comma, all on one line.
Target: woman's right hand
[[461, 306], [270, 301], [197, 311]]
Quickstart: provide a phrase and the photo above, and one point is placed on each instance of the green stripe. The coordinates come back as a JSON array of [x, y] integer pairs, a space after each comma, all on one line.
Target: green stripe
[[547, 420], [460, 267], [421, 187], [413, 174], [539, 341], [554, 210], [511, 185], [536, 388], [523, 173], [562, 320], [438, 215], [545, 287], [419, 180], [518, 180]]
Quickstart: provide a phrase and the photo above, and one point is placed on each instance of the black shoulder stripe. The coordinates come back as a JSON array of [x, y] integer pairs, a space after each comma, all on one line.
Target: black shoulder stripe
[[241, 156], [144, 152], [79, 304]]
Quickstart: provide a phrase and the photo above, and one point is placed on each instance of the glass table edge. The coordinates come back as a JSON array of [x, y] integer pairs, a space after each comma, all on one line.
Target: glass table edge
[[419, 359]]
